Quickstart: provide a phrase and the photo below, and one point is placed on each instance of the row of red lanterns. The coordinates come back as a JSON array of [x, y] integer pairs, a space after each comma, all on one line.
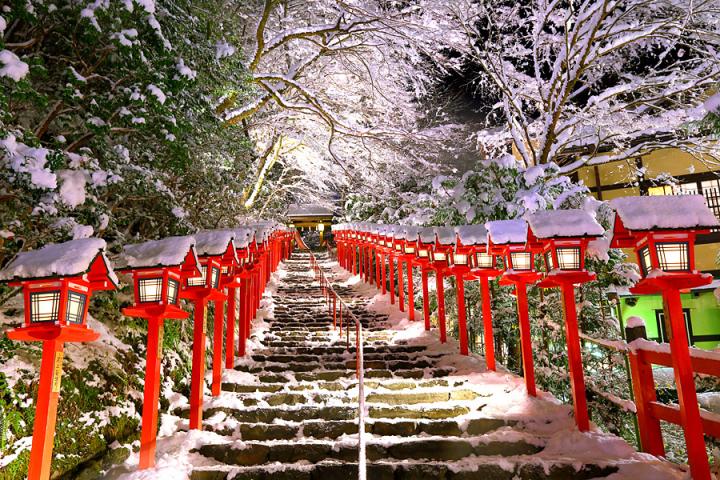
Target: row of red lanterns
[[210, 266], [660, 229]]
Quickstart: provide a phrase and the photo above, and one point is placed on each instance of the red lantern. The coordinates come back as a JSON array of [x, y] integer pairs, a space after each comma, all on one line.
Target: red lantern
[[424, 246], [158, 269], [57, 281], [409, 245], [662, 231], [562, 237], [215, 249], [444, 245], [508, 238]]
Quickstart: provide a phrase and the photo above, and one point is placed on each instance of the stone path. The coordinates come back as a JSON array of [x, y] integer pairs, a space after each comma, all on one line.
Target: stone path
[[290, 410]]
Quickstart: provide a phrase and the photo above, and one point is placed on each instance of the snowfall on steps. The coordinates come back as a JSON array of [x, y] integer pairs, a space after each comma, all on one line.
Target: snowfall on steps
[[289, 408]]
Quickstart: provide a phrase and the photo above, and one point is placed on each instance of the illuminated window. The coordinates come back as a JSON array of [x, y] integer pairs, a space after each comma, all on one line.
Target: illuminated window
[[150, 289], [673, 256], [423, 253], [569, 258], [645, 264], [521, 260], [172, 293], [198, 281], [660, 190], [215, 278], [484, 260], [75, 307], [460, 259], [44, 306], [439, 257]]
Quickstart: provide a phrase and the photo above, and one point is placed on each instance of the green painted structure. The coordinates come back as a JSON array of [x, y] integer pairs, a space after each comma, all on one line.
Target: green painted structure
[[702, 314]]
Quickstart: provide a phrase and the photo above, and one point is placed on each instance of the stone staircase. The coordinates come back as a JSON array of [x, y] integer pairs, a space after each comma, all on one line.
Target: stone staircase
[[289, 411]]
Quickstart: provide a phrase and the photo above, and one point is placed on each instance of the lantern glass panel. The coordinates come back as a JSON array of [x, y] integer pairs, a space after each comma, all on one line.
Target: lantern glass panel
[[172, 292], [645, 263], [409, 249], [549, 263], [150, 289], [484, 260], [198, 281], [673, 257], [460, 259], [439, 257], [521, 260], [398, 247], [215, 277], [423, 253], [44, 306], [569, 258], [75, 307]]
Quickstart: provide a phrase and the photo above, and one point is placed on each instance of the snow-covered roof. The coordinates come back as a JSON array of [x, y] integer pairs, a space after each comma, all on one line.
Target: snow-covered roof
[[168, 252], [502, 232], [427, 235], [242, 237], [213, 242], [411, 233], [66, 259], [564, 223], [398, 232], [472, 234], [445, 235], [664, 212], [311, 210]]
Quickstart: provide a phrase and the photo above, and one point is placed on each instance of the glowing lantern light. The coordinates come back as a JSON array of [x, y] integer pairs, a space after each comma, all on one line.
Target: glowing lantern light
[[158, 268], [563, 236], [57, 282], [662, 231], [444, 245], [508, 238], [424, 246]]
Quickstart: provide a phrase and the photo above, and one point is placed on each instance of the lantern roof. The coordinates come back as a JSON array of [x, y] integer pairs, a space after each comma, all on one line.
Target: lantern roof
[[472, 234], [503, 232], [564, 223], [167, 252], [67, 259], [427, 235], [310, 210], [242, 237], [411, 233], [397, 232], [664, 212], [214, 242], [445, 235]]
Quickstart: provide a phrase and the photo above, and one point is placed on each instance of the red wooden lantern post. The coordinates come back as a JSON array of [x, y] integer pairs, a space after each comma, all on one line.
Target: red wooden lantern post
[[57, 281], [233, 283], [353, 248], [378, 255], [409, 246], [562, 236], [508, 238], [390, 253], [214, 249], [244, 274], [382, 256], [398, 252], [425, 241], [460, 261], [158, 268], [662, 231], [484, 268], [444, 238]]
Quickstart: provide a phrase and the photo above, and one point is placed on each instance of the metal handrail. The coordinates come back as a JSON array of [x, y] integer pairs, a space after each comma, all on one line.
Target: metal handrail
[[335, 302]]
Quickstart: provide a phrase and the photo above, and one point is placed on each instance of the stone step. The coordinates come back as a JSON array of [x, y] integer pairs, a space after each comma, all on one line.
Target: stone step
[[370, 365], [337, 358], [391, 385], [323, 429], [446, 449], [506, 470]]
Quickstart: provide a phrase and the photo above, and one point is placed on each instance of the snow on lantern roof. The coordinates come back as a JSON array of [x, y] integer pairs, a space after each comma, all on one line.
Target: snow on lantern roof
[[564, 223], [427, 235], [411, 233], [67, 259], [664, 212], [213, 242], [311, 210], [502, 232], [472, 234], [445, 235], [242, 237], [168, 252], [398, 232]]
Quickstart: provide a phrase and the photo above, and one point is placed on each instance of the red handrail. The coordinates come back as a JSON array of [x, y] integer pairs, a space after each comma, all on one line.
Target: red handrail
[[336, 303]]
